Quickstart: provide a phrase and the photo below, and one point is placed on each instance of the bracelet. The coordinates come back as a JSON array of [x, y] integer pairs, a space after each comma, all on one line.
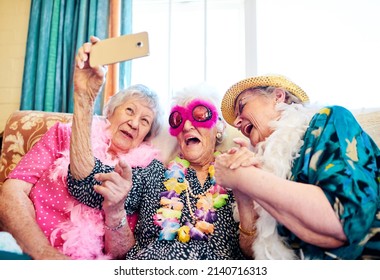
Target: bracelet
[[248, 233], [119, 226]]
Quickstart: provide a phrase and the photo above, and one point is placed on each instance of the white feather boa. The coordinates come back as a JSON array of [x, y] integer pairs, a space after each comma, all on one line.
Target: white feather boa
[[277, 154]]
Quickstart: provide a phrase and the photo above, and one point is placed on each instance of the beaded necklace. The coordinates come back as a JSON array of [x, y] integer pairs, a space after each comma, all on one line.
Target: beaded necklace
[[169, 214]]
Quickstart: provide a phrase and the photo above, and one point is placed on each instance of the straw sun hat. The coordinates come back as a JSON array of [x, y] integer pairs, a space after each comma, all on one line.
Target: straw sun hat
[[228, 102]]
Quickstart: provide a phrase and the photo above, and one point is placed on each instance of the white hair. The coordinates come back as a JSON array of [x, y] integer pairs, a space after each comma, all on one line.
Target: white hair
[[202, 90]]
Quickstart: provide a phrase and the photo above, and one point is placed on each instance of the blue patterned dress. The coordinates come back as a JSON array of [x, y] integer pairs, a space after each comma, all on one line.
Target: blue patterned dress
[[344, 161]]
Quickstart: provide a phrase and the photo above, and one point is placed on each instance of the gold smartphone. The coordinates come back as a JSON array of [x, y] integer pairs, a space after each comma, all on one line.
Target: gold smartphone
[[118, 49]]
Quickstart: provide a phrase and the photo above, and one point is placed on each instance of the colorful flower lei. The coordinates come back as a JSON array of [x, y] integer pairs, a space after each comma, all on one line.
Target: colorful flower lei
[[169, 215]]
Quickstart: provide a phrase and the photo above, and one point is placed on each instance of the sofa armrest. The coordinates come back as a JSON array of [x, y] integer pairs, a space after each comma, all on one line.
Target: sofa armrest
[[22, 130]]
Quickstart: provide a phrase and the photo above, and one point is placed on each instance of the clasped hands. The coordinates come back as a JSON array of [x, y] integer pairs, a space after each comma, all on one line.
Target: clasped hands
[[227, 163]]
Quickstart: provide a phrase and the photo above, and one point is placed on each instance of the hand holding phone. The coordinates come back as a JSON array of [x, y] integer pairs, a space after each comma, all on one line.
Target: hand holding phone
[[118, 49]]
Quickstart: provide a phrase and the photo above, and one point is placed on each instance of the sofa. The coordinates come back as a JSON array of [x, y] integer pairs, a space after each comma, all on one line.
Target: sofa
[[24, 128]]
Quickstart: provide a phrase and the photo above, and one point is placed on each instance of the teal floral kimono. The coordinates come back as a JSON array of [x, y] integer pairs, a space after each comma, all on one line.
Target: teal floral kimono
[[344, 161]]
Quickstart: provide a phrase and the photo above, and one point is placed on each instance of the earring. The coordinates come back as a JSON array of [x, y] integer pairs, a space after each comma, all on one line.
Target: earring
[[219, 135]]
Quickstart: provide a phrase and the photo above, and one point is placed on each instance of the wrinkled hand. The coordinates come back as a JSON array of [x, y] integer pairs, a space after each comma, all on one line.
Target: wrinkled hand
[[115, 187], [87, 80], [241, 156], [224, 175], [226, 164]]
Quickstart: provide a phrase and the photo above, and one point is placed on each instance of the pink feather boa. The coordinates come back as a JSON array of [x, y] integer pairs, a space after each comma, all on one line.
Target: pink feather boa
[[82, 233]]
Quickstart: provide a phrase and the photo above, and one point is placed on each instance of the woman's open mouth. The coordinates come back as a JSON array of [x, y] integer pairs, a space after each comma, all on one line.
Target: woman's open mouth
[[246, 130], [192, 140], [127, 134]]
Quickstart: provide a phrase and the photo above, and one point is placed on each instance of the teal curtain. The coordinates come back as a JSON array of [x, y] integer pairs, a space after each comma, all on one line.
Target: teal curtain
[[126, 28], [57, 28]]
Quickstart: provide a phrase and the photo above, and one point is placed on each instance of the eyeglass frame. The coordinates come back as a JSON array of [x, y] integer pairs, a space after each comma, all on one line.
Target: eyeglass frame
[[187, 113]]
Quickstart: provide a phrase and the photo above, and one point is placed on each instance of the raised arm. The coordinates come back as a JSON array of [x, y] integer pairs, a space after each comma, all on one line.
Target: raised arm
[[110, 195], [87, 85]]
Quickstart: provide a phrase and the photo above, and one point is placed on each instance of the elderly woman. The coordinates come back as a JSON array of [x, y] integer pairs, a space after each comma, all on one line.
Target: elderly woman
[[35, 206], [183, 213], [314, 173]]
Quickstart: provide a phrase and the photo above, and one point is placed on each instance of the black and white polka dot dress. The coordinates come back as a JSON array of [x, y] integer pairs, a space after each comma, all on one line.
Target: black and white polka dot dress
[[144, 199]]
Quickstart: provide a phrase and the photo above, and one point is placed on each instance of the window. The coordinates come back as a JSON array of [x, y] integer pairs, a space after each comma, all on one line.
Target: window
[[329, 47], [189, 42]]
